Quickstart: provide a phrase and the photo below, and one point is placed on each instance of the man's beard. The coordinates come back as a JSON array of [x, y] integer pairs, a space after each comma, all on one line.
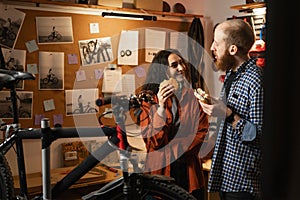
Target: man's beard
[[226, 62]]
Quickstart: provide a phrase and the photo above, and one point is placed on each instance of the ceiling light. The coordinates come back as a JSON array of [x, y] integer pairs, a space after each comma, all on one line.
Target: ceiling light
[[128, 16]]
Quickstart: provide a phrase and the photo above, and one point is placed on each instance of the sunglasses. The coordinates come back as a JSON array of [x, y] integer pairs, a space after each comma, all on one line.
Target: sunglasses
[[176, 63]]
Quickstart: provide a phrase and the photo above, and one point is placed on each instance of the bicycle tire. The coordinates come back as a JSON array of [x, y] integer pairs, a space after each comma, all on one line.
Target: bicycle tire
[[92, 110], [24, 114], [59, 36], [45, 81], [6, 180], [50, 37], [11, 36], [7, 115], [54, 80], [152, 189]]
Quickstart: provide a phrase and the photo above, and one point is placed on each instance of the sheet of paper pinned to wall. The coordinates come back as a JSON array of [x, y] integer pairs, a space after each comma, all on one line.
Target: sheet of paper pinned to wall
[[179, 41], [128, 48], [112, 80], [128, 84], [49, 105], [154, 42]]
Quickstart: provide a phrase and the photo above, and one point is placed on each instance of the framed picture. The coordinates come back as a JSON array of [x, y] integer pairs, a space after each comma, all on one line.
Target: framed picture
[[24, 104], [15, 60], [51, 70], [95, 51], [81, 101], [11, 21], [54, 30]]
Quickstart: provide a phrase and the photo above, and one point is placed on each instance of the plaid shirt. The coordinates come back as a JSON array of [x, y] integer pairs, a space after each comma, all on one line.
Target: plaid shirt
[[236, 162]]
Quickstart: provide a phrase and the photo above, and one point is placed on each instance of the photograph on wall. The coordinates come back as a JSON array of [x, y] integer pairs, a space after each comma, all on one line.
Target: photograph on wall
[[54, 30], [81, 101], [51, 70], [24, 105], [11, 21], [15, 60], [95, 51]]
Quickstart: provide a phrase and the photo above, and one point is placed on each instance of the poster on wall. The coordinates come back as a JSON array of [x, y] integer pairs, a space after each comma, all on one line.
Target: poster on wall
[[24, 104], [128, 51], [15, 60], [11, 21], [54, 30], [81, 102], [51, 70], [95, 51]]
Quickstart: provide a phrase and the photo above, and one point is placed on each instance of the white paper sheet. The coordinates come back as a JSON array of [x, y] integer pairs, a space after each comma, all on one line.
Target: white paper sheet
[[179, 41], [128, 84], [112, 80], [128, 48], [154, 42]]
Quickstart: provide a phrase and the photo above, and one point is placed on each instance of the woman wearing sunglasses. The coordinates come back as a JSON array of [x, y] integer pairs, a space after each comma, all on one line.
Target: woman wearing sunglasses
[[174, 127]]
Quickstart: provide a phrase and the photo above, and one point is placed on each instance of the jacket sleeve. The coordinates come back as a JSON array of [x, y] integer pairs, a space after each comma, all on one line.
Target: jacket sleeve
[[154, 127]]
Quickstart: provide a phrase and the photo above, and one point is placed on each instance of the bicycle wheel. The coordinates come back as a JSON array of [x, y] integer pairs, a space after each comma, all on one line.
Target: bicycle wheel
[[92, 110], [11, 36], [45, 81], [24, 114], [6, 180], [54, 80], [7, 115], [148, 189], [50, 37], [58, 36]]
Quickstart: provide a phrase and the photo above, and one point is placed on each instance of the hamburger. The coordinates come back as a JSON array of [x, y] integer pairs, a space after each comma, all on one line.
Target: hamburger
[[202, 96], [170, 81]]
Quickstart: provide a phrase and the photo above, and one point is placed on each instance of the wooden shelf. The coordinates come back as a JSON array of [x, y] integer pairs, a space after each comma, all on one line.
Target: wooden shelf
[[249, 6], [130, 10]]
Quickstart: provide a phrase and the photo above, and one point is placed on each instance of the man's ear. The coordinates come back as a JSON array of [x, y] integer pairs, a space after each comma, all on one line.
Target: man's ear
[[233, 49]]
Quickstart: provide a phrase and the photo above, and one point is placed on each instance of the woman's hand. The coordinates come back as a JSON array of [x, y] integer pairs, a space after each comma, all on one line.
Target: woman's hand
[[164, 93]]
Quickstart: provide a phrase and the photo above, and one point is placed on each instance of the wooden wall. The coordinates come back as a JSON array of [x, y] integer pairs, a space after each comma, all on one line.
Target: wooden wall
[[81, 31]]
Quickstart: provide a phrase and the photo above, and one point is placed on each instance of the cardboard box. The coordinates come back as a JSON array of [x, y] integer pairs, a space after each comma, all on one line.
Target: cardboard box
[[156, 5], [111, 3]]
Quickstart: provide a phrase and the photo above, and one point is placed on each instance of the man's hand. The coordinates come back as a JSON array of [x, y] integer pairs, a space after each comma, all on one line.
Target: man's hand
[[216, 109]]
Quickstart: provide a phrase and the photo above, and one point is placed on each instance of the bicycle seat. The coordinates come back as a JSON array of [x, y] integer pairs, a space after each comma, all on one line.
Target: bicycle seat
[[18, 75], [8, 77], [5, 79]]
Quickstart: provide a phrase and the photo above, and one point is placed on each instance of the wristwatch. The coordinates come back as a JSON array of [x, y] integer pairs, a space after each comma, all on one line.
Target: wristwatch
[[230, 118]]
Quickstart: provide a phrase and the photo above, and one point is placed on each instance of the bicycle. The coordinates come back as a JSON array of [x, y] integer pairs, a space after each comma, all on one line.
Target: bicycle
[[10, 35], [55, 35], [86, 109], [22, 113], [52, 80], [132, 185]]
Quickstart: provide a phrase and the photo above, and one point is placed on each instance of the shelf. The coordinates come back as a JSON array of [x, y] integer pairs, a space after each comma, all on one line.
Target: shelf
[[249, 6], [129, 10]]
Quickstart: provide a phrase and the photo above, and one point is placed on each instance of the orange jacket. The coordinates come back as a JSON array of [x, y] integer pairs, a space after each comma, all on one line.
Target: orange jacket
[[166, 141]]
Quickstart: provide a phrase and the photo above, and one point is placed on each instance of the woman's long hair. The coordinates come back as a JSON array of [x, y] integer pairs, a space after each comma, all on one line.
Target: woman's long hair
[[158, 69]]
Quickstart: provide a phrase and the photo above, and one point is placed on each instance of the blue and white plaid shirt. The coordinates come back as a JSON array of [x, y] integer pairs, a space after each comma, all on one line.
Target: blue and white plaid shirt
[[236, 162]]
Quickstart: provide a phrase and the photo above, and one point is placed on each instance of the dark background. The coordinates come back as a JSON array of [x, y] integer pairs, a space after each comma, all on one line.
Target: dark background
[[281, 174]]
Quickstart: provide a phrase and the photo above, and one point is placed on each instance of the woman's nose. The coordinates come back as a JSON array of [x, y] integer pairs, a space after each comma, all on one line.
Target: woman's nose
[[180, 67]]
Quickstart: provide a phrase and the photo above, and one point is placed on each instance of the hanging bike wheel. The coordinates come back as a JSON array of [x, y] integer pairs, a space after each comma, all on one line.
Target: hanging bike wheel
[[6, 180]]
